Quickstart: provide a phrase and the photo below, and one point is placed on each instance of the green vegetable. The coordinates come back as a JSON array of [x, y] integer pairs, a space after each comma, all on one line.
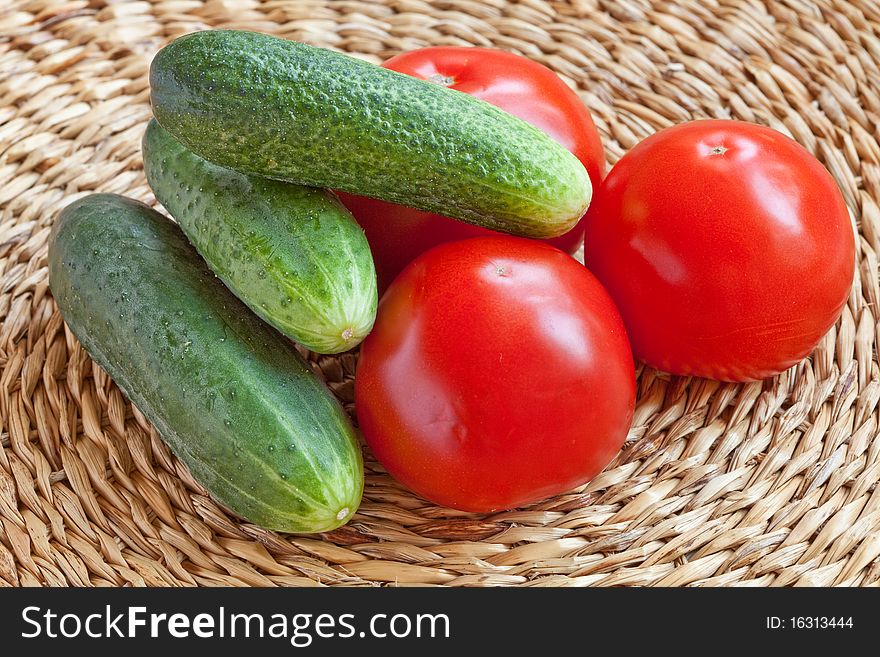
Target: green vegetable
[[230, 396], [293, 254], [281, 109]]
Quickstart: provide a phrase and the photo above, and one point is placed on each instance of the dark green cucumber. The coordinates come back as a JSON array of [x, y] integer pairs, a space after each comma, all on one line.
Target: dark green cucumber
[[293, 254], [231, 397], [281, 109]]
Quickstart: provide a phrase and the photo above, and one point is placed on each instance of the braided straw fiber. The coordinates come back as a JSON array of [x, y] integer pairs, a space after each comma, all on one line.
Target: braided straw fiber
[[771, 483]]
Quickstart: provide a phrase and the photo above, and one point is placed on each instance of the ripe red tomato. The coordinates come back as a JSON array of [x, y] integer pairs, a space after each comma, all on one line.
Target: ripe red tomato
[[517, 85], [726, 246], [498, 373]]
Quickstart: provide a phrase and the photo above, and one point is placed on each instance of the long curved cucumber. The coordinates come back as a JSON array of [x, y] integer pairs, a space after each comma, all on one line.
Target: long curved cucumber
[[231, 397], [281, 109], [293, 254]]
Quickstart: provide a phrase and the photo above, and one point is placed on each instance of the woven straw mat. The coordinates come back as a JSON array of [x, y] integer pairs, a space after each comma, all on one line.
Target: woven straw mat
[[765, 484]]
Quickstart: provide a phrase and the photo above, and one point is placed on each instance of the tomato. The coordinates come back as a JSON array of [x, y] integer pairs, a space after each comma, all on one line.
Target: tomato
[[517, 85], [727, 247], [498, 373]]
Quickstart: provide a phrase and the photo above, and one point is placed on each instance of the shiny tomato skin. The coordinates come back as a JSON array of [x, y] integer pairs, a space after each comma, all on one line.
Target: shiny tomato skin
[[517, 85], [498, 373], [727, 247]]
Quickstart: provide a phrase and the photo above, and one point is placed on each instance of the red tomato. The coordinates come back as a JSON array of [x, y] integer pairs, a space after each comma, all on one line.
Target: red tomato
[[726, 246], [517, 85], [498, 373]]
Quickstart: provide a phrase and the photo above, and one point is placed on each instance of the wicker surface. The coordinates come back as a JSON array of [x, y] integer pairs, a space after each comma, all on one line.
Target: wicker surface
[[719, 484]]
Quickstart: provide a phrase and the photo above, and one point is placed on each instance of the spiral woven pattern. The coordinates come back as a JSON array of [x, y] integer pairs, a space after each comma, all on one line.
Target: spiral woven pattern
[[762, 484]]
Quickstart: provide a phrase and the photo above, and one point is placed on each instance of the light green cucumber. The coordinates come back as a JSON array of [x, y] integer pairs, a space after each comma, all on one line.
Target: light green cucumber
[[232, 398], [293, 254], [272, 107]]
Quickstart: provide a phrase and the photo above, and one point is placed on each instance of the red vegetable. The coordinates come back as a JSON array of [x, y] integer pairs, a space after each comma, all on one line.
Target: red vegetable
[[726, 246], [517, 85], [498, 373]]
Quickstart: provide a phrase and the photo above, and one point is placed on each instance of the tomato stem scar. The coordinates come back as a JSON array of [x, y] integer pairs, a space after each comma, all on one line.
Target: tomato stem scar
[[439, 78]]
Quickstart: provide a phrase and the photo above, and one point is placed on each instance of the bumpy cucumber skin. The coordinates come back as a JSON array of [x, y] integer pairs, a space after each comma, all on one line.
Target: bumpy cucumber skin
[[293, 254], [229, 395], [285, 110]]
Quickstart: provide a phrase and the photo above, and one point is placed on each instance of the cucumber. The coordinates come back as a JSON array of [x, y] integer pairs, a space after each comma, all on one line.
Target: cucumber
[[276, 108], [293, 254], [230, 396]]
